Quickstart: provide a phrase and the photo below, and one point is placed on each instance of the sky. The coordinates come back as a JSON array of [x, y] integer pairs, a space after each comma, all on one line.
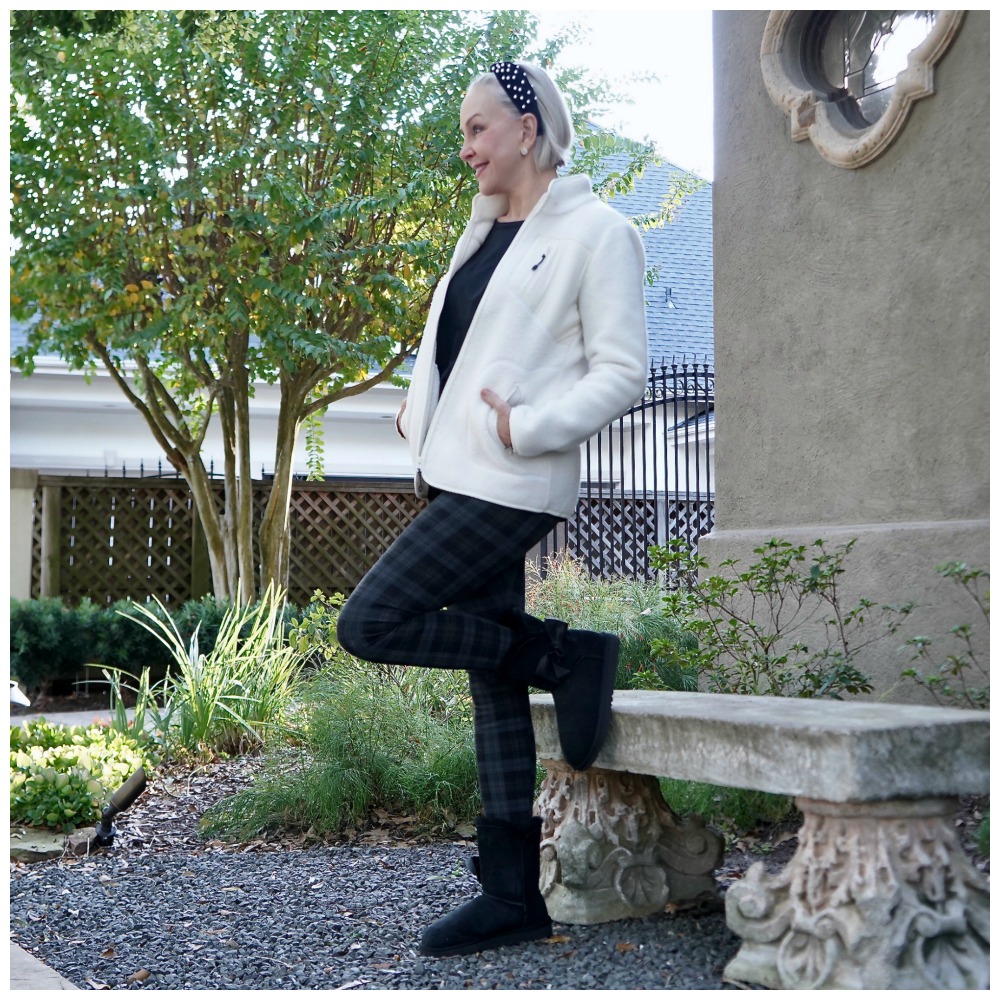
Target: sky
[[676, 111]]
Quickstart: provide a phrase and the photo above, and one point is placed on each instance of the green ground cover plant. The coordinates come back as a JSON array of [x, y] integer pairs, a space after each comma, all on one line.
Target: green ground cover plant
[[61, 777]]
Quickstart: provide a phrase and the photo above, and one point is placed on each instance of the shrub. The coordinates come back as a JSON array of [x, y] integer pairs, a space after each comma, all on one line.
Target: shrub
[[47, 642], [749, 623], [654, 646], [62, 776], [223, 701], [314, 631], [960, 679], [52, 644], [367, 746]]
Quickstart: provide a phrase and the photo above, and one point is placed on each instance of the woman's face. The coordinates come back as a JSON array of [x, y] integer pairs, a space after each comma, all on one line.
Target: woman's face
[[493, 138]]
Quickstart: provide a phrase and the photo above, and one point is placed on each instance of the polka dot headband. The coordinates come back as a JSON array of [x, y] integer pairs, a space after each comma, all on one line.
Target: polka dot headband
[[515, 83]]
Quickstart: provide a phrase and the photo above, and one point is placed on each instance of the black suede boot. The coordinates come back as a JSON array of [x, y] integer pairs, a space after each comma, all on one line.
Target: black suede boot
[[579, 669], [511, 908]]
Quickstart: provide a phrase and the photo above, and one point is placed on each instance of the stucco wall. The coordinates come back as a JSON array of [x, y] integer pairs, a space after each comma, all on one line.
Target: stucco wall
[[852, 331]]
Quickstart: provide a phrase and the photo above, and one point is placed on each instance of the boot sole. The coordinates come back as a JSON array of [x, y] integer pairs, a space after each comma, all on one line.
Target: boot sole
[[519, 936]]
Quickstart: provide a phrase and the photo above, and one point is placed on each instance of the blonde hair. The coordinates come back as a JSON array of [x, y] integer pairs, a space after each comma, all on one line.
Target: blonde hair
[[555, 137]]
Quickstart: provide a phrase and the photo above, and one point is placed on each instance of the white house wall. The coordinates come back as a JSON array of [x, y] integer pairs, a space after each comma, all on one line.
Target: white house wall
[[62, 424]]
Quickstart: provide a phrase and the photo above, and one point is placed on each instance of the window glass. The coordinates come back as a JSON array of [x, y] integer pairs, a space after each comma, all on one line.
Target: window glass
[[863, 51]]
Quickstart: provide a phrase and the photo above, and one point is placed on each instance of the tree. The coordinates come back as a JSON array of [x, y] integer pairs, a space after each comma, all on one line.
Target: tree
[[271, 197]]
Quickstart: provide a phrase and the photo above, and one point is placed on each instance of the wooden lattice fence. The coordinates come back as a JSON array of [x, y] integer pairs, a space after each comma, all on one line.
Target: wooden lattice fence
[[106, 539], [115, 539], [339, 532]]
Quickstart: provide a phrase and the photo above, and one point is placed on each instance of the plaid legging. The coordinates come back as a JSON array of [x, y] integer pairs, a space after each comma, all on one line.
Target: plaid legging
[[436, 599]]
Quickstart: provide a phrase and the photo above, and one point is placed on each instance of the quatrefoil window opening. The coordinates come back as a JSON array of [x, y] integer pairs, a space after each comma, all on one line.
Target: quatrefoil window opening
[[847, 79]]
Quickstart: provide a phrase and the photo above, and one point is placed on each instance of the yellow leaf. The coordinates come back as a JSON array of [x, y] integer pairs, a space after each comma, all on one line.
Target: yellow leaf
[[61, 56], [131, 288], [148, 284]]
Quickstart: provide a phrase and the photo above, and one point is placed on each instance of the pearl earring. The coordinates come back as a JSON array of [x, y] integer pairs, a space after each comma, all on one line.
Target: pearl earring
[[524, 152]]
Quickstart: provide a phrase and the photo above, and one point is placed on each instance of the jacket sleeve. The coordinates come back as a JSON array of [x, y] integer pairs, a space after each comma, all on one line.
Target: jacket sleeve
[[613, 323]]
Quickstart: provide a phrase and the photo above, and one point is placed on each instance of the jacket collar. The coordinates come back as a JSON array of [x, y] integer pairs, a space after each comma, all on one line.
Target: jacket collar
[[563, 195]]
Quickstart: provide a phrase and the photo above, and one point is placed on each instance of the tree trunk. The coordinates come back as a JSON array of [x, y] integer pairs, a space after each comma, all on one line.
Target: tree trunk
[[275, 534], [212, 523], [244, 500]]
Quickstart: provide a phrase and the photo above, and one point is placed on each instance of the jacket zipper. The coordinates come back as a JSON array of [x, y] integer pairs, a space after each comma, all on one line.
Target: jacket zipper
[[420, 482], [451, 379]]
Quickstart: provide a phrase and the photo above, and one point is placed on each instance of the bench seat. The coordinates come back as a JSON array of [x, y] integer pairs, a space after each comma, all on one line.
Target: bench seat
[[838, 751], [879, 894]]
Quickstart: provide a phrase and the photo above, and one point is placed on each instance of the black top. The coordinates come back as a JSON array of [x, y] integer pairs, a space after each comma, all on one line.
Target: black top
[[464, 292]]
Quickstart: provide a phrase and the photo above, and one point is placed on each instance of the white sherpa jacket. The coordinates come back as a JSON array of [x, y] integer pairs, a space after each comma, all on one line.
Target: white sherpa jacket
[[560, 333]]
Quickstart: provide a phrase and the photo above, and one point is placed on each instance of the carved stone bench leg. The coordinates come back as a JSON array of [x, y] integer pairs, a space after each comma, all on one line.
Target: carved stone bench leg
[[878, 896], [612, 848]]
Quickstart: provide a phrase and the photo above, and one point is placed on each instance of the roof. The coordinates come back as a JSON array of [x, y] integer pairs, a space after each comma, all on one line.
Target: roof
[[679, 302]]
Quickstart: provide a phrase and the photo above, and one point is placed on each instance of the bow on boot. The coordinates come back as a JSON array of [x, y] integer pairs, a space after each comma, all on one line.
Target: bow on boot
[[579, 668], [552, 666]]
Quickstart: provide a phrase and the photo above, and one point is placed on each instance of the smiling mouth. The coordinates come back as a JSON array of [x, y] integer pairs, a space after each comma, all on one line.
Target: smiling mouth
[[479, 168]]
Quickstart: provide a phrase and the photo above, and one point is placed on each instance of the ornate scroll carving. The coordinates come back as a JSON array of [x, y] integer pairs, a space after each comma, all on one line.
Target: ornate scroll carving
[[878, 896], [612, 848]]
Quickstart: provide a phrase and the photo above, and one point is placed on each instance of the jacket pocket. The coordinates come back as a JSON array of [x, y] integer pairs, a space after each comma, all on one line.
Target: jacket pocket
[[513, 397]]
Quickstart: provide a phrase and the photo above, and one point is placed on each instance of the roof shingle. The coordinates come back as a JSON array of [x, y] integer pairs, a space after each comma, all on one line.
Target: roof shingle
[[680, 252]]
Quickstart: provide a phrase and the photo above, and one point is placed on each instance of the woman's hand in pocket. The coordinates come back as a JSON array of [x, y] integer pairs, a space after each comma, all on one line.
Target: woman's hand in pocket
[[502, 408]]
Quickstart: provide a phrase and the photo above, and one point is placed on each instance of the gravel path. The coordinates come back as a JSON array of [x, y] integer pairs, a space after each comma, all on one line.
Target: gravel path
[[323, 918], [166, 909]]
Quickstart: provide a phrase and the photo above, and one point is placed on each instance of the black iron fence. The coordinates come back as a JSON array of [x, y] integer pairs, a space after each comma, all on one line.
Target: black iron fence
[[647, 478]]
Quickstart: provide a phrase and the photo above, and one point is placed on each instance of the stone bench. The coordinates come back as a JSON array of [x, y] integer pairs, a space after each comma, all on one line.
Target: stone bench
[[879, 894]]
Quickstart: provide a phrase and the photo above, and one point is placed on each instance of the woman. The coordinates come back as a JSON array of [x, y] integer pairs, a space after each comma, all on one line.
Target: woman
[[535, 340]]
